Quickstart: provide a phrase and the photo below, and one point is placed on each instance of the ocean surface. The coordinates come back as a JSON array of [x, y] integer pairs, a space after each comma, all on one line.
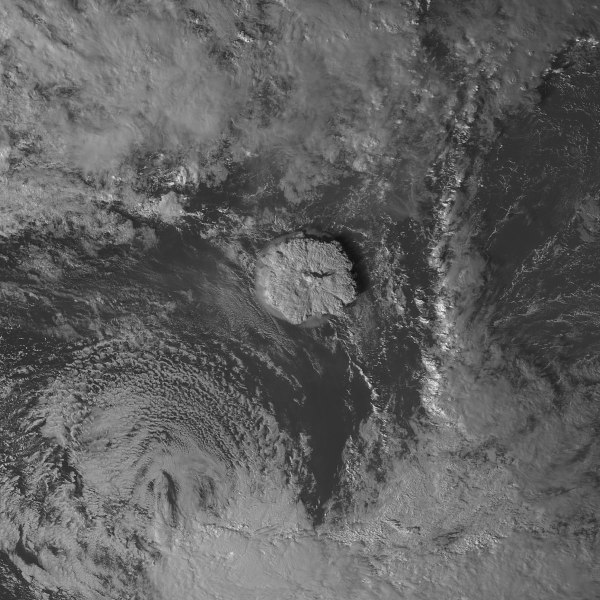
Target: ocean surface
[[162, 436]]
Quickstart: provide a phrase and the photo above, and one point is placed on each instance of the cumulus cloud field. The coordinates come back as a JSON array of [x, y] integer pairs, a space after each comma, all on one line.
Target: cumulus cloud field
[[162, 436]]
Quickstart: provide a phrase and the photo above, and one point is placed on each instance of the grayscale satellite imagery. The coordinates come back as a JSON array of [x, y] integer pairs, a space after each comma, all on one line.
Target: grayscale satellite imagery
[[299, 300]]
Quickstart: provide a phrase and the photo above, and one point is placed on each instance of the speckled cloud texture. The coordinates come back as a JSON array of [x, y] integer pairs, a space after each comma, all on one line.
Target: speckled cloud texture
[[162, 436], [301, 278]]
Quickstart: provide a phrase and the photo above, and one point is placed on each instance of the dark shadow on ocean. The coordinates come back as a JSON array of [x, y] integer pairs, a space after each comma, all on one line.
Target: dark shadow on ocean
[[350, 245], [336, 402]]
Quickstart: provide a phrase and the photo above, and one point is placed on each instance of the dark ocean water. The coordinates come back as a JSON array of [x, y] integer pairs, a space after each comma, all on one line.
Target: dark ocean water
[[538, 227], [162, 436]]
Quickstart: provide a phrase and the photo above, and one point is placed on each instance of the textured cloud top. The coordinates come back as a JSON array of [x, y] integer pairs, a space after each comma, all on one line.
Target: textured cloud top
[[163, 436], [302, 278]]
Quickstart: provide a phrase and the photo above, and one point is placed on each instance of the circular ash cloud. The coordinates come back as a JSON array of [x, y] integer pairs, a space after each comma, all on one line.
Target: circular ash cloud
[[302, 278]]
